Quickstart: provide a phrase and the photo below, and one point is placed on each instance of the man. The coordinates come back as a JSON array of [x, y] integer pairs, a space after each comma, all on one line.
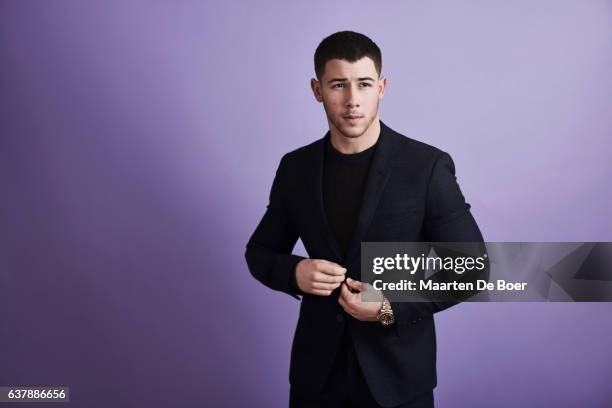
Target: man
[[361, 182]]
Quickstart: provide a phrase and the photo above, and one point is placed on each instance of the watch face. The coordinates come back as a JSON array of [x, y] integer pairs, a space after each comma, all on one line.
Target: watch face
[[387, 319]]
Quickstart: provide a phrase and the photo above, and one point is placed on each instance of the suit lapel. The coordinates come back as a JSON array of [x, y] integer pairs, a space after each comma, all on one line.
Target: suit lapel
[[319, 203]]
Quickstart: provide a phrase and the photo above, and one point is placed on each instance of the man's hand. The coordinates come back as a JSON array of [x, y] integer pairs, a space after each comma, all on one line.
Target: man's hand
[[318, 276], [353, 304]]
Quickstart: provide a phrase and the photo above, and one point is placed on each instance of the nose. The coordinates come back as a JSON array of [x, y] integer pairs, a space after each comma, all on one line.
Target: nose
[[352, 100]]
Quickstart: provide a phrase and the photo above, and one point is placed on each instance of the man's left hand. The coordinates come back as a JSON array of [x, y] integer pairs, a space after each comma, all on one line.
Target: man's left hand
[[353, 304]]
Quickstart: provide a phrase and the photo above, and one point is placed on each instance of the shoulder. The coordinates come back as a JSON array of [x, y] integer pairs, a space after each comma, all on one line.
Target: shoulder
[[416, 155], [302, 156], [304, 151], [407, 147]]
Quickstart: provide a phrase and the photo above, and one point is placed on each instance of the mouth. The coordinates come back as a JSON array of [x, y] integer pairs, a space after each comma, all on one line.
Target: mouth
[[352, 117]]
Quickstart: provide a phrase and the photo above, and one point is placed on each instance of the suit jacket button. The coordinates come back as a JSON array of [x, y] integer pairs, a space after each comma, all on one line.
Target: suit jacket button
[[339, 317]]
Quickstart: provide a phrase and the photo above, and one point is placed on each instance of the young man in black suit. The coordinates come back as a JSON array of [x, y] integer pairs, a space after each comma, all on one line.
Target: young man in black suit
[[361, 182]]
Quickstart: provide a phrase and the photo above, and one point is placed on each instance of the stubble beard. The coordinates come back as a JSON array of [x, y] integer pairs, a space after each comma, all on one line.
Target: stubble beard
[[344, 130]]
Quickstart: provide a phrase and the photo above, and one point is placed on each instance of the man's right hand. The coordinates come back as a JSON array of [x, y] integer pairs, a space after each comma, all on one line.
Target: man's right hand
[[318, 276]]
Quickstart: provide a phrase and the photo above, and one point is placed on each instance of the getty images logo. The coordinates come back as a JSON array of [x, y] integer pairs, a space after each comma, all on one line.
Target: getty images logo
[[411, 264]]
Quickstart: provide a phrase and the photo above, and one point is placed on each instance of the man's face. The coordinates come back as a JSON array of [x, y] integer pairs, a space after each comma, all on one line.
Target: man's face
[[350, 92]]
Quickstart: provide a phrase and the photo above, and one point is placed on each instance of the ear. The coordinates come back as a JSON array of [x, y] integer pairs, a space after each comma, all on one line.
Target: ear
[[316, 89], [382, 86]]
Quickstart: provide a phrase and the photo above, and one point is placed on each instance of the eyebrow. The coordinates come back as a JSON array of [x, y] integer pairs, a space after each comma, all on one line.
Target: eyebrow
[[344, 79]]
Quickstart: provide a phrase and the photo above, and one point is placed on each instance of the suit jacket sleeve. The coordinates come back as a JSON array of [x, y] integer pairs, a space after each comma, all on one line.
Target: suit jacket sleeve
[[268, 252], [447, 219]]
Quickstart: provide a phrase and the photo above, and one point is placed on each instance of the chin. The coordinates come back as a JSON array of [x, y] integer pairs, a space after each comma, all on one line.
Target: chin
[[352, 131]]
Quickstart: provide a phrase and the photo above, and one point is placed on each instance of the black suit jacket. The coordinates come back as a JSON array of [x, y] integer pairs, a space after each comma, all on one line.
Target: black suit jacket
[[411, 195]]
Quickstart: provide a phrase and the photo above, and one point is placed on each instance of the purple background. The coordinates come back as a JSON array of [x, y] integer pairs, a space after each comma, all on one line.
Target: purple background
[[138, 145]]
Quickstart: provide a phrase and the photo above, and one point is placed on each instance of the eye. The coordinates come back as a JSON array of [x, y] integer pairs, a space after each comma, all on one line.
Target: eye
[[340, 85], [365, 84]]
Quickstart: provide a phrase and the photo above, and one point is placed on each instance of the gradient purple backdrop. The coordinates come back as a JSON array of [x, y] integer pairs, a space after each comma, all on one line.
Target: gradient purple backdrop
[[138, 145]]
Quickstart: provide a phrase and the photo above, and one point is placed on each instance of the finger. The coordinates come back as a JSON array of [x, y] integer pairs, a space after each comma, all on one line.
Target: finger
[[346, 293], [325, 278], [331, 268], [355, 284], [325, 286], [330, 263], [320, 292]]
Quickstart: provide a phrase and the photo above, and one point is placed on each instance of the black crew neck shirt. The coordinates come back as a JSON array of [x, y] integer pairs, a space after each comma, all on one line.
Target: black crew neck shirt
[[344, 181]]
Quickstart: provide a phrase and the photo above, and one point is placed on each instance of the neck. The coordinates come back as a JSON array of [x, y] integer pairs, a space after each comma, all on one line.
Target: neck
[[351, 145]]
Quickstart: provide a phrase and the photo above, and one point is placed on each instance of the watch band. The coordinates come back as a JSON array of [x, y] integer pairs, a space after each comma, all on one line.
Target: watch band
[[386, 305]]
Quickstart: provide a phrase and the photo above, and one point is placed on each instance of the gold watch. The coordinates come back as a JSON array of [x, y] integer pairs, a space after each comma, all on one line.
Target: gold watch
[[385, 316]]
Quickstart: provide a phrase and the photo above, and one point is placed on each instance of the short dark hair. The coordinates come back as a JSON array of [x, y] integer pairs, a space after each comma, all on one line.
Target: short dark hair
[[346, 45]]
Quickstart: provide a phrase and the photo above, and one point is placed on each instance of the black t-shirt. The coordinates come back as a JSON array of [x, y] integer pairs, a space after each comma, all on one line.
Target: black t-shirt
[[344, 180]]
